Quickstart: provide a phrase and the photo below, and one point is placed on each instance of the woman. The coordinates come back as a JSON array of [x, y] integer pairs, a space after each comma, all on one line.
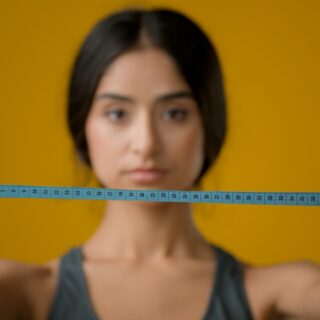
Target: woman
[[147, 111]]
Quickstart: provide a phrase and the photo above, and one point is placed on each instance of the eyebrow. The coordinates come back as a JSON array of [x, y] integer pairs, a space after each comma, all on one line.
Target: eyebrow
[[162, 98]]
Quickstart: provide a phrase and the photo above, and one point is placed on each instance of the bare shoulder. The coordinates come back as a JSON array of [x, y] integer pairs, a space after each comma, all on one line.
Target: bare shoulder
[[270, 288], [14, 302], [12, 278], [278, 277], [22, 284]]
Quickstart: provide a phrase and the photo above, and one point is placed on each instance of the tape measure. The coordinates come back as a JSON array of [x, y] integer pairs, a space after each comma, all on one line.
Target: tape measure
[[218, 197]]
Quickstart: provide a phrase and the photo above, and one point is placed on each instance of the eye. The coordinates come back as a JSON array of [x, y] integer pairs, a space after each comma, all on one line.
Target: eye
[[115, 115], [178, 114]]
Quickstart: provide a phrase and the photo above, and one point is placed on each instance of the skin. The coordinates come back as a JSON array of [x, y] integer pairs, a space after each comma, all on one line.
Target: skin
[[145, 132]]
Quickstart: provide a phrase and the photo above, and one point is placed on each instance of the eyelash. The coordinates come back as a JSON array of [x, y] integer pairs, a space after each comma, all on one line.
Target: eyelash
[[181, 111]]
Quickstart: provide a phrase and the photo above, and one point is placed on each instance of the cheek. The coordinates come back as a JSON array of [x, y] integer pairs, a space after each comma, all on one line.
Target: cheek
[[187, 147], [101, 146]]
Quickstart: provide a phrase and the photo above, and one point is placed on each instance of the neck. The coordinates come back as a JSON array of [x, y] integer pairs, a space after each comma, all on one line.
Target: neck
[[147, 231]]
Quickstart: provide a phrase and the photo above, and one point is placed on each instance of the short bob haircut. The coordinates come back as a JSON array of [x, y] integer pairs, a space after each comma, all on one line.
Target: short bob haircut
[[135, 28]]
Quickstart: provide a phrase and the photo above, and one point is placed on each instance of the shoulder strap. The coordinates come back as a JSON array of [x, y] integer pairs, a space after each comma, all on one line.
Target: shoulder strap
[[229, 300], [71, 299]]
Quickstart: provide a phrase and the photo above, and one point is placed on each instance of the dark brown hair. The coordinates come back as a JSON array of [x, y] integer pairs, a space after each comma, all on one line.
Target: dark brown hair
[[130, 28]]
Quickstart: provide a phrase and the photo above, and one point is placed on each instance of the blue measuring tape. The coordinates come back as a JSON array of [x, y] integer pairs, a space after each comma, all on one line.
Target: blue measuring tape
[[218, 197]]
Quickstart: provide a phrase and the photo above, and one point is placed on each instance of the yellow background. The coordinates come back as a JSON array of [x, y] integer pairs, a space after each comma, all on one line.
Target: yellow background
[[270, 56]]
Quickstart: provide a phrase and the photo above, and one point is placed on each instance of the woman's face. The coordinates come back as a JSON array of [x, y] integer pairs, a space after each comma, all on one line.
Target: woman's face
[[143, 116]]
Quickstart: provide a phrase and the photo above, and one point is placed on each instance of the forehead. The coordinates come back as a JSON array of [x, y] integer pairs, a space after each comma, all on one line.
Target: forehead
[[143, 71]]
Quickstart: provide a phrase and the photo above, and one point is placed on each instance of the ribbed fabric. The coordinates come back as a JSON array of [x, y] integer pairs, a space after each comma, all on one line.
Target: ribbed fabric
[[228, 300]]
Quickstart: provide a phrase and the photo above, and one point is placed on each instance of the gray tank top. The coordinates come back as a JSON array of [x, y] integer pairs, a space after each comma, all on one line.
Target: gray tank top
[[228, 299]]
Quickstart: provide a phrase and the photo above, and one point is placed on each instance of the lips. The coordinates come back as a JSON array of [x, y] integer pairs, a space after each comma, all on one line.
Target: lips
[[149, 175]]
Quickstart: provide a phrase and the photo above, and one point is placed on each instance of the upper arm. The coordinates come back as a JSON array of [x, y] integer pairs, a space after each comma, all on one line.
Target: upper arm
[[298, 289], [13, 300]]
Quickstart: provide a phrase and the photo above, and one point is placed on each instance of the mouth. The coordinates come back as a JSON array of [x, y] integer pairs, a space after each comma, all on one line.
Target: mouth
[[147, 175]]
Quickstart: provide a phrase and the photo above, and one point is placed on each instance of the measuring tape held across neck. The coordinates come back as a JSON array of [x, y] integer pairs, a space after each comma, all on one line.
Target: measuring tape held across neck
[[218, 197]]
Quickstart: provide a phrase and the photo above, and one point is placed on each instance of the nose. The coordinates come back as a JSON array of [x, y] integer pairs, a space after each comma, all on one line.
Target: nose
[[145, 138]]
